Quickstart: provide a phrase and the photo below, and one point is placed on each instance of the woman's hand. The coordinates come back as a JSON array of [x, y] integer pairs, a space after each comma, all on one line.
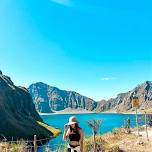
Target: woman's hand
[[65, 127]]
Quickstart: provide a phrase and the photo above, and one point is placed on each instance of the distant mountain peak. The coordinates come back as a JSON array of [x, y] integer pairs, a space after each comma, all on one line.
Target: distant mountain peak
[[57, 99]]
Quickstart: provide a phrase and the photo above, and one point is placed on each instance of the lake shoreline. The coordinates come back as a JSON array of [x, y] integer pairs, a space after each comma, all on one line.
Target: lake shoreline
[[88, 112]]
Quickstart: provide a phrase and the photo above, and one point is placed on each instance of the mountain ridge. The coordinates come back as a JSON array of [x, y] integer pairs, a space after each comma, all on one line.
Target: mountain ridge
[[58, 99], [18, 117], [123, 101]]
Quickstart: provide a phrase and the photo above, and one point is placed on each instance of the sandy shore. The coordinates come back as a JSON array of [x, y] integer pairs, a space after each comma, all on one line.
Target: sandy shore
[[82, 111], [129, 112], [68, 111]]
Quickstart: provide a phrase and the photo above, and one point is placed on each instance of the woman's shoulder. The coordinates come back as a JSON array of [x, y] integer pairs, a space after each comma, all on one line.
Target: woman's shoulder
[[80, 129]]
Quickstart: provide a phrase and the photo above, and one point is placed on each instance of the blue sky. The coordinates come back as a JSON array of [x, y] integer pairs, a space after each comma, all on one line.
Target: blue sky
[[97, 48]]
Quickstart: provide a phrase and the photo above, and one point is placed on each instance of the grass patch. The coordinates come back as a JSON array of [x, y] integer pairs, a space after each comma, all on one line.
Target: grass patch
[[55, 131], [119, 141], [20, 146]]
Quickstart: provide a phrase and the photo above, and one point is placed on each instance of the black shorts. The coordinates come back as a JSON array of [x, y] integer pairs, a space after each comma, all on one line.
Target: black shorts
[[69, 149]]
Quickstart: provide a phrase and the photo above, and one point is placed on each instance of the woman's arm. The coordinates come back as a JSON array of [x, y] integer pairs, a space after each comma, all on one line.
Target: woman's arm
[[66, 133], [81, 140]]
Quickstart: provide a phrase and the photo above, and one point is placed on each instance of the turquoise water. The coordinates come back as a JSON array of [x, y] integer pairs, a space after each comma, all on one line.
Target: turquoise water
[[109, 122]]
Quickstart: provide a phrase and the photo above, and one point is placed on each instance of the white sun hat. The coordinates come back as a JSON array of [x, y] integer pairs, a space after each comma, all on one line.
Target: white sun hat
[[72, 120]]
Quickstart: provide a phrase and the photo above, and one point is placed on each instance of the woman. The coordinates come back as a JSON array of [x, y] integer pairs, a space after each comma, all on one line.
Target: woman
[[74, 133]]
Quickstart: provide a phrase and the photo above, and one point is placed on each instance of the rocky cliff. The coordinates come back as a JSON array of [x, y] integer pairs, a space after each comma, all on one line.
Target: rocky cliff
[[49, 98], [18, 117], [123, 101]]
